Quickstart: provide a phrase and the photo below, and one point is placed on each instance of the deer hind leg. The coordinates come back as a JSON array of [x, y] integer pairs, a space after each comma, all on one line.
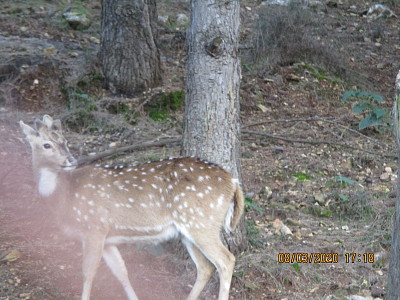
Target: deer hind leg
[[204, 269], [92, 252], [212, 248], [115, 262]]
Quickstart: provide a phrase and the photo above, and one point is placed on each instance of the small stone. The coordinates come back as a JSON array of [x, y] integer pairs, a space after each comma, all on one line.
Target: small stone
[[182, 20], [94, 40]]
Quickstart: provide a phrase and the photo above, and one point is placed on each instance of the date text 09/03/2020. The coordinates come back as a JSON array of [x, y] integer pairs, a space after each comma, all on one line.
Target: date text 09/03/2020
[[328, 258]]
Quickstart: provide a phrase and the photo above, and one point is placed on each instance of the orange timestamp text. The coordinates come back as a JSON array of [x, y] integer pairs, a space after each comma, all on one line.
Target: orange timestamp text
[[329, 258]]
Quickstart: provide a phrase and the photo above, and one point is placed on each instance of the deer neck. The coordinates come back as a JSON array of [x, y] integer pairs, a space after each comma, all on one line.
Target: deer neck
[[47, 180], [51, 182]]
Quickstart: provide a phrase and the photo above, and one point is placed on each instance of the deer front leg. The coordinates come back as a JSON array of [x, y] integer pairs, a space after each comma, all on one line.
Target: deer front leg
[[92, 251], [116, 263]]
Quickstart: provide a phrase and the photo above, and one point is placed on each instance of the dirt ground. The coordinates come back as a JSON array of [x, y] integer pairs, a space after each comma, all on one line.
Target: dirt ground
[[316, 186]]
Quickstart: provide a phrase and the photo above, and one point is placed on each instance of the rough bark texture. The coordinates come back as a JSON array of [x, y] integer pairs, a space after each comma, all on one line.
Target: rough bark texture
[[128, 51], [211, 122], [393, 286]]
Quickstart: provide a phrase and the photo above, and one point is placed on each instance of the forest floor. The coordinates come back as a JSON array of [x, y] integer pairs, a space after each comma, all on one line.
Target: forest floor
[[315, 184]]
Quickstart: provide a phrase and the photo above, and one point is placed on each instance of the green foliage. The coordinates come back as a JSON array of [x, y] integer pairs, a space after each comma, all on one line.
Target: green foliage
[[367, 105], [296, 267], [167, 103], [320, 211], [302, 176], [248, 202], [253, 234], [344, 181]]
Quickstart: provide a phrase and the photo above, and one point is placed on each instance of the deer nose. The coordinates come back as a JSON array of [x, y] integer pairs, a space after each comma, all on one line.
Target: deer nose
[[70, 162]]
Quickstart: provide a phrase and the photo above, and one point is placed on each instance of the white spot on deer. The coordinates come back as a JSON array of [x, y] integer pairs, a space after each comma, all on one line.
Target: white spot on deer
[[128, 170], [160, 190], [140, 187], [185, 204], [158, 204], [183, 219], [169, 205], [162, 199], [176, 198], [134, 177], [131, 200], [208, 177], [106, 166], [78, 219], [175, 214], [191, 210], [219, 179], [202, 225], [154, 186], [182, 194], [209, 188], [74, 208], [117, 205], [175, 174], [152, 170], [79, 212], [144, 180], [143, 205], [151, 196], [76, 195], [128, 205], [91, 211], [221, 200], [200, 178], [212, 205], [85, 217], [201, 168], [127, 181], [102, 220], [191, 169], [180, 207], [212, 218], [170, 187], [121, 173], [206, 192], [144, 173], [200, 195]]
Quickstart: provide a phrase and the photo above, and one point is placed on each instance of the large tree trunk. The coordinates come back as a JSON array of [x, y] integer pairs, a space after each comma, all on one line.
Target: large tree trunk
[[128, 51], [393, 286], [211, 121]]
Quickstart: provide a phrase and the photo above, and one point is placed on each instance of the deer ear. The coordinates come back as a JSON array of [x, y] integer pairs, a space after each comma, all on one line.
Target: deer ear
[[39, 125], [48, 121], [28, 130], [56, 126]]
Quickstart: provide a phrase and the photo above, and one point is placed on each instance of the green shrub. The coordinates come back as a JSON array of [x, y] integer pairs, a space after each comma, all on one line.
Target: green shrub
[[367, 104]]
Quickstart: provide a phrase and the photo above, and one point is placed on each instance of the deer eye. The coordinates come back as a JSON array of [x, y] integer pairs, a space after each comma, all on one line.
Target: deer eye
[[47, 146]]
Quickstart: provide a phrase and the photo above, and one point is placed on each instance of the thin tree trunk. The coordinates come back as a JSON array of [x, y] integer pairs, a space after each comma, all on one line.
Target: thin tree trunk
[[211, 121], [129, 53], [393, 286]]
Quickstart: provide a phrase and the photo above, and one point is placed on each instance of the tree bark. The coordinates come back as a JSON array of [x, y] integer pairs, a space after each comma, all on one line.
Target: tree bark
[[211, 122], [393, 285], [129, 52]]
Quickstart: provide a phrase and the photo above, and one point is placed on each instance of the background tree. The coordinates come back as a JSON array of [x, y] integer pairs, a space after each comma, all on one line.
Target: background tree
[[211, 121], [393, 290], [129, 53]]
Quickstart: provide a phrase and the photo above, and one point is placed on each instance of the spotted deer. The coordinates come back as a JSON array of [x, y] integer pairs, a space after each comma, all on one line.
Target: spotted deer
[[104, 206]]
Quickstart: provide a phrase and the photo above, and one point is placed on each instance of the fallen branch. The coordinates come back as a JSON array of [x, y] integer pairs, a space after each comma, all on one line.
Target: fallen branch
[[84, 160], [315, 142], [314, 119]]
